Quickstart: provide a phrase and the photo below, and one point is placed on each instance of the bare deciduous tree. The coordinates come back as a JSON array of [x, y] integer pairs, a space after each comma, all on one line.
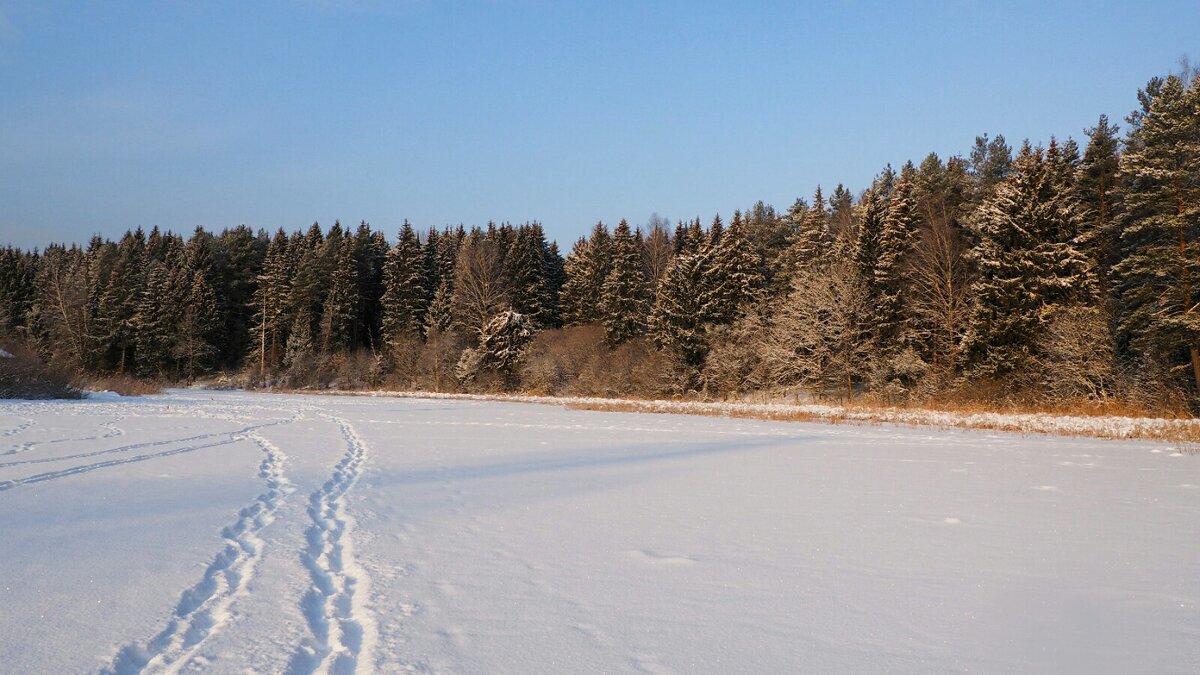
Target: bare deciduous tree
[[940, 278], [480, 292], [820, 338], [1078, 354]]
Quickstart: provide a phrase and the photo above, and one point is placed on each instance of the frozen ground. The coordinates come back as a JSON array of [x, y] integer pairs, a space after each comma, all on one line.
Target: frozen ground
[[230, 532]]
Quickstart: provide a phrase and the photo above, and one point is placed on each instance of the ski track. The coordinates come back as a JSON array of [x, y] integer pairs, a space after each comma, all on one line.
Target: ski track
[[134, 446], [343, 631], [233, 437], [110, 426], [205, 609]]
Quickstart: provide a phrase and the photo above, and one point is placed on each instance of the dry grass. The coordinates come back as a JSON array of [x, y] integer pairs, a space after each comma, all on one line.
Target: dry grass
[[125, 385], [1088, 422], [1092, 422]]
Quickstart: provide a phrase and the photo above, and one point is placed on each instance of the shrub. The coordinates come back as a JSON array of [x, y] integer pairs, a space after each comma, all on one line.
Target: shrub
[[24, 375]]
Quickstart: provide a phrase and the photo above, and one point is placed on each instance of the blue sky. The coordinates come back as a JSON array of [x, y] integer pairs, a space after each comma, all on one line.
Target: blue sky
[[118, 114]]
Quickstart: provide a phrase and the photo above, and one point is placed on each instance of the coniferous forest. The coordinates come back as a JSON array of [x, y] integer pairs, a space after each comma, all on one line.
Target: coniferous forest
[[1062, 273]]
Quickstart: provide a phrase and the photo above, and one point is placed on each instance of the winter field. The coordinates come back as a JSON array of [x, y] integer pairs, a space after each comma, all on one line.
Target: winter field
[[230, 532]]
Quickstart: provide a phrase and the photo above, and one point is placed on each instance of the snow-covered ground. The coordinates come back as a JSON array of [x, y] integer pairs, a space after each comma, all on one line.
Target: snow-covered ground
[[230, 532]]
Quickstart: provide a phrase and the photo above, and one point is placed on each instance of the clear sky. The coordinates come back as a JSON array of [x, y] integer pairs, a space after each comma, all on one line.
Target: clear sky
[[179, 113]]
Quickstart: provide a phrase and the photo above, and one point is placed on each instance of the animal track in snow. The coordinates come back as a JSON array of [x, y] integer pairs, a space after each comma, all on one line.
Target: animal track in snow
[[343, 631], [204, 609]]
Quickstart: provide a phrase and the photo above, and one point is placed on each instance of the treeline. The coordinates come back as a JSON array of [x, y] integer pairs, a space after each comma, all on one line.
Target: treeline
[[1057, 273]]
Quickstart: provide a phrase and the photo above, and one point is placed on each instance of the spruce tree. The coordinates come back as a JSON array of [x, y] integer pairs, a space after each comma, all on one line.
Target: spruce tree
[[1159, 275], [525, 272], [270, 308], [556, 276], [813, 239], [677, 320], [193, 343], [625, 293], [117, 307], [341, 310], [733, 275], [1027, 261], [405, 283], [1100, 194], [586, 268]]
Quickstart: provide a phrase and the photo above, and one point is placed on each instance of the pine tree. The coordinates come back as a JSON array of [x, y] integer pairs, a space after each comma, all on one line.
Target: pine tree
[[525, 272], [193, 344], [677, 321], [556, 276], [991, 163], [503, 340], [625, 293], [234, 280], [370, 252], [157, 315], [813, 239], [341, 310], [270, 303], [586, 268], [1159, 275], [841, 214], [1100, 195], [1027, 263], [888, 278], [733, 275], [405, 295], [117, 307]]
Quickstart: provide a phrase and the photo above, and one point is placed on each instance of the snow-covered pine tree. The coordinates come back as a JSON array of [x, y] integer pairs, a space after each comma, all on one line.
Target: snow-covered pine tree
[[677, 322], [339, 322], [556, 276], [441, 258], [841, 214], [370, 252], [733, 275], [525, 273], [991, 162], [586, 268], [503, 340], [153, 340], [270, 304], [116, 309], [193, 345], [1099, 196], [625, 294], [405, 290], [1159, 274], [889, 277], [813, 239], [1027, 261]]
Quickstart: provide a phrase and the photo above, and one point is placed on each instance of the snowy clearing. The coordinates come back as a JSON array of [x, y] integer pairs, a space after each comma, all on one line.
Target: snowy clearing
[[231, 532]]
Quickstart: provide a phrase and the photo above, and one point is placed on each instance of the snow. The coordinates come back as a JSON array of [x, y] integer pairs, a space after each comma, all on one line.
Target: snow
[[6, 355], [230, 532]]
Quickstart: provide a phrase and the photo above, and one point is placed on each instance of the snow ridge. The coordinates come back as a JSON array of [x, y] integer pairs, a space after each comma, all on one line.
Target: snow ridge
[[343, 631], [204, 609]]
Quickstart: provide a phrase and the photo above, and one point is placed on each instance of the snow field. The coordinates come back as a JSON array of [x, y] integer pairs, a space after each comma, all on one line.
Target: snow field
[[229, 532]]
